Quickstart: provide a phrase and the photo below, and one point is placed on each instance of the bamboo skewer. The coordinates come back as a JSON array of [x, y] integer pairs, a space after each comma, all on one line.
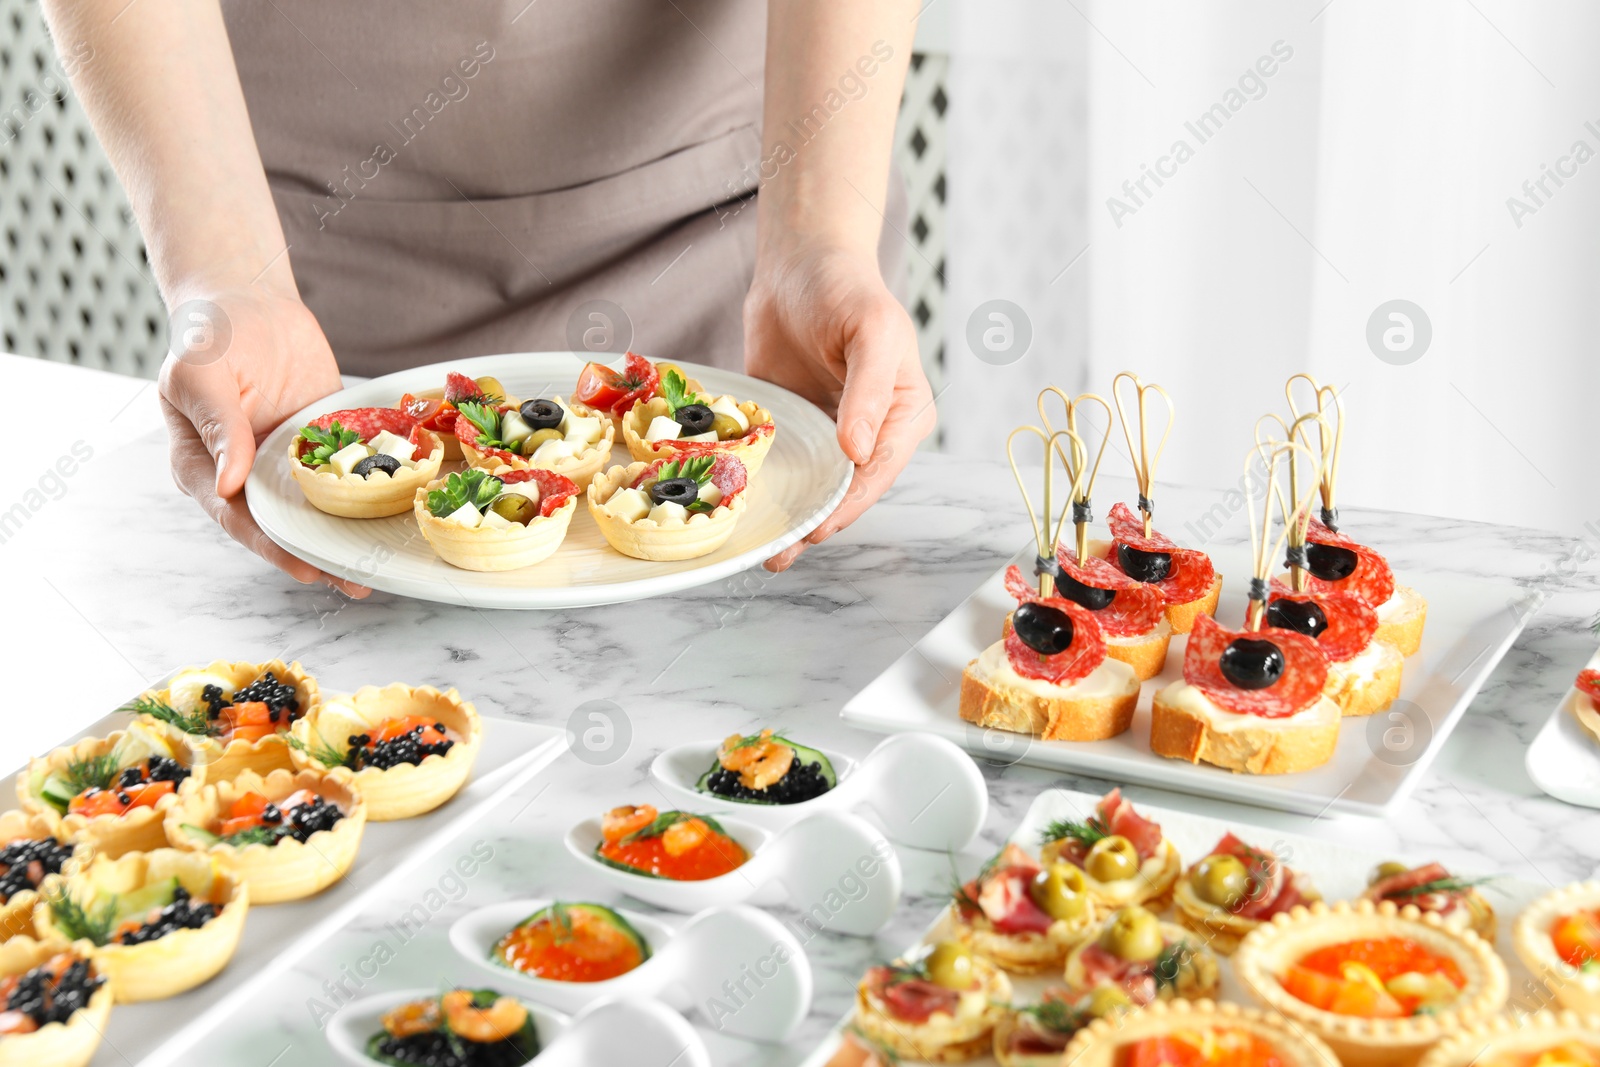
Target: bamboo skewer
[[1330, 440], [1045, 536], [1083, 474], [1294, 507], [1144, 461]]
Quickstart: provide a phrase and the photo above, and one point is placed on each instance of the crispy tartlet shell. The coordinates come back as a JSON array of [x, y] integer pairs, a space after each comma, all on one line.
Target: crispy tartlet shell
[[225, 761], [750, 451], [489, 548], [16, 914], [1530, 936], [351, 496], [704, 533], [1101, 1043], [69, 1044]]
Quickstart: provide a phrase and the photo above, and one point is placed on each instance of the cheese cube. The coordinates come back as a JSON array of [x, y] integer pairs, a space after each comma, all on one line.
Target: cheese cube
[[629, 505], [709, 435], [390, 444], [550, 451], [466, 515], [669, 514], [344, 461], [663, 429], [724, 405], [513, 428], [493, 520], [580, 430], [710, 494]]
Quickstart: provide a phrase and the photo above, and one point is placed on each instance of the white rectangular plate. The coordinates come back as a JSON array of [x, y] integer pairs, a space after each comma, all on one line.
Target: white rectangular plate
[[1564, 760], [1338, 871], [277, 935], [1471, 625]]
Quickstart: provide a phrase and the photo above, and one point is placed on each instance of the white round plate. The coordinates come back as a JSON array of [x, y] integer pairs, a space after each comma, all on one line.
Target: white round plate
[[803, 479]]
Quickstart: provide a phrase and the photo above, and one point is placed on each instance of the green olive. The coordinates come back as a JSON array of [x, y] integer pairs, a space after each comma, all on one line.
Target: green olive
[[1388, 870], [1133, 934], [1109, 1000], [1222, 880], [950, 966], [490, 386], [531, 443], [727, 427], [1112, 859], [663, 368], [1060, 891], [516, 507]]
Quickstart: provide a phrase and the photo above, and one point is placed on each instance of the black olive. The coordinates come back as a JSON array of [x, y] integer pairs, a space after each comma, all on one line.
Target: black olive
[[1301, 616], [1042, 628], [694, 418], [1086, 595], [1252, 663], [681, 491], [380, 462], [542, 414], [1330, 562], [1144, 566]]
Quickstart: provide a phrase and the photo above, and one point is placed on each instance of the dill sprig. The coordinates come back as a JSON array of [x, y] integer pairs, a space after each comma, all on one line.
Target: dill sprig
[[78, 922], [1058, 1016], [1087, 833], [325, 753], [194, 722], [1448, 884], [667, 819]]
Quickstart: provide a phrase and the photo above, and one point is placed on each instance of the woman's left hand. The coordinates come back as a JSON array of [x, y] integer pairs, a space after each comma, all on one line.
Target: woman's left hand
[[821, 322]]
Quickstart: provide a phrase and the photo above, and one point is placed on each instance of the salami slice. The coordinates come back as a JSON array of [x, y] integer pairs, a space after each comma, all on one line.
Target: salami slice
[[1191, 573], [1589, 684], [369, 422], [1304, 674], [1118, 817], [1351, 620], [701, 448], [1403, 889], [1128, 528], [458, 387], [1136, 608], [554, 489], [1372, 580], [1273, 887], [1077, 661], [727, 474], [645, 379]]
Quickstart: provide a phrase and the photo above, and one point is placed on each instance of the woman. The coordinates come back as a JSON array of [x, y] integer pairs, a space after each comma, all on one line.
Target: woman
[[417, 182]]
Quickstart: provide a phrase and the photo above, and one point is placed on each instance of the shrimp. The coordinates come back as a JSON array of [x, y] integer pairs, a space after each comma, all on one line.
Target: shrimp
[[500, 1020], [685, 835], [760, 761], [417, 1017], [620, 822]]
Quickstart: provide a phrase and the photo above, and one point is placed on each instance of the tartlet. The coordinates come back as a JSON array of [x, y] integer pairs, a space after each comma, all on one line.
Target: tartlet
[[949, 1034], [1267, 954], [135, 830], [17, 828], [1175, 964], [1269, 888], [379, 492], [750, 447], [1105, 1042], [322, 741], [436, 409], [1576, 988], [1140, 865], [481, 543], [56, 1044], [174, 962], [286, 869], [696, 533], [183, 711], [1519, 1041], [1015, 918], [1431, 888], [580, 450]]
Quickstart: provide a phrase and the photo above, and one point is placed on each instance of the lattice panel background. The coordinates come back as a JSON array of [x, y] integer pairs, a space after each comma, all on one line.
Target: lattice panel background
[[75, 285]]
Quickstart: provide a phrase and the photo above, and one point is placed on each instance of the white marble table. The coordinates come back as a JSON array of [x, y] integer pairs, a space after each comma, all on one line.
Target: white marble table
[[118, 579]]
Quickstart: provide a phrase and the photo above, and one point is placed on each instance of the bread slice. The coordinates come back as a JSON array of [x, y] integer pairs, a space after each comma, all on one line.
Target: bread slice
[[1098, 707], [1401, 619], [1182, 727], [1369, 683], [1182, 616]]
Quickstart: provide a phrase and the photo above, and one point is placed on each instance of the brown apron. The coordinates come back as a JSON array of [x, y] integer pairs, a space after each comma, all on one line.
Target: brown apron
[[467, 178]]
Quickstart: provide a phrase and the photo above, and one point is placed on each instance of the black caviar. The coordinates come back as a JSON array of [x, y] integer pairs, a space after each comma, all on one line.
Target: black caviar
[[27, 862], [439, 1049], [181, 914], [803, 781], [277, 696], [47, 999], [306, 819], [407, 748]]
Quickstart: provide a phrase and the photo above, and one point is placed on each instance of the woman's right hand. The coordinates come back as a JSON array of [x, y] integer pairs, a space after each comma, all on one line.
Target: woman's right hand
[[245, 361]]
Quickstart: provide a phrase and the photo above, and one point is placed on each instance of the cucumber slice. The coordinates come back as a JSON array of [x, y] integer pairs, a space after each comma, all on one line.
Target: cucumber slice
[[56, 791], [598, 911], [201, 834], [134, 905], [802, 755]]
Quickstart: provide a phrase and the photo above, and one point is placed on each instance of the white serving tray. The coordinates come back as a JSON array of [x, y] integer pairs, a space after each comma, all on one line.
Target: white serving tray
[[1338, 871], [801, 481], [1564, 760], [277, 935], [1471, 625]]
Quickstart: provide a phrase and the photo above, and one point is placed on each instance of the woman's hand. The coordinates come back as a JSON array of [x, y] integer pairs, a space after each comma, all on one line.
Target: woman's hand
[[822, 324], [263, 358]]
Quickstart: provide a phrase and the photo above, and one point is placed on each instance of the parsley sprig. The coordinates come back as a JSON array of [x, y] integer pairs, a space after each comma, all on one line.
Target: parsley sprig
[[473, 486], [697, 469], [327, 442], [675, 391], [486, 419]]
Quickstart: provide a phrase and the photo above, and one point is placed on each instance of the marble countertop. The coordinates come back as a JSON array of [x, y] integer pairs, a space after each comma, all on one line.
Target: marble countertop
[[115, 579]]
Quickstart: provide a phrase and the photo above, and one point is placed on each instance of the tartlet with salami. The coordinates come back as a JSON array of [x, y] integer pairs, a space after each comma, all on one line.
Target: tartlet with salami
[[1586, 703], [563, 436], [32, 847], [1197, 1034], [1137, 956], [363, 463], [614, 392], [1380, 985], [1432, 888], [1185, 577], [157, 923], [1558, 937], [1540, 1039], [496, 522], [1035, 1035], [1021, 915], [111, 793], [1124, 857], [939, 1007], [234, 715], [672, 509], [1234, 889], [408, 748], [436, 409], [681, 420], [1050, 674], [289, 834], [61, 1004]]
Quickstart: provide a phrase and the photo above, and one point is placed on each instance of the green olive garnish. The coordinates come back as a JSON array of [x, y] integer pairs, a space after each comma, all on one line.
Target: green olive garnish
[[727, 427], [1388, 870], [1112, 859], [1060, 891], [490, 386], [538, 437], [1108, 1000], [950, 966], [515, 507], [1222, 880], [1133, 934]]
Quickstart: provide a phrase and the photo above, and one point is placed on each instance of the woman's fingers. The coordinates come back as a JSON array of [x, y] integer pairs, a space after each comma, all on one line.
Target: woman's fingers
[[880, 339], [207, 398]]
